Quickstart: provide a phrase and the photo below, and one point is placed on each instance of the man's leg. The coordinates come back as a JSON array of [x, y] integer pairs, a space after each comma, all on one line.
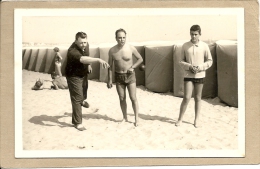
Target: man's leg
[[122, 97], [188, 87], [132, 93], [197, 97], [76, 96]]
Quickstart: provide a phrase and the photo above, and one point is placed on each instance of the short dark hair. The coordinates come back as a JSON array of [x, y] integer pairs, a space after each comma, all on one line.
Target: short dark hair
[[81, 35], [56, 49], [120, 30], [196, 28]]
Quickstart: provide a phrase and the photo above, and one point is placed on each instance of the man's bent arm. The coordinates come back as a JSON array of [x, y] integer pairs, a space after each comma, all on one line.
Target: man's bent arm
[[184, 65], [138, 57]]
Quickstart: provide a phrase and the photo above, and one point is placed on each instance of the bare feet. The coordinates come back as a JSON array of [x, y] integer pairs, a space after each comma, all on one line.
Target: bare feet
[[136, 121], [196, 124], [178, 123], [80, 127], [136, 124]]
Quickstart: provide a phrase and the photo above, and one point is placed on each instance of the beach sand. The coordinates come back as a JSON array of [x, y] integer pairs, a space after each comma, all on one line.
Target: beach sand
[[46, 121]]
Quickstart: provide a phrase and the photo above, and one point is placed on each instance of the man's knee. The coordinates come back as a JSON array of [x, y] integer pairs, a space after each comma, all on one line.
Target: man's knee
[[133, 98], [122, 98], [186, 98], [197, 98]]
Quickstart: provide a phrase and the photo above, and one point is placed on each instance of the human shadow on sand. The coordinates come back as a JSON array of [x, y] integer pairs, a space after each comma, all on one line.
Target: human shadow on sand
[[39, 120], [159, 118], [95, 116]]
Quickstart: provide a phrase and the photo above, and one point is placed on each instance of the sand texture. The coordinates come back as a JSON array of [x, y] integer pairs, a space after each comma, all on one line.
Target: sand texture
[[46, 121]]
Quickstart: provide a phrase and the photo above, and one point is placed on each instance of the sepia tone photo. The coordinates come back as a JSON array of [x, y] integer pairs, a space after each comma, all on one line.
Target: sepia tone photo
[[129, 83]]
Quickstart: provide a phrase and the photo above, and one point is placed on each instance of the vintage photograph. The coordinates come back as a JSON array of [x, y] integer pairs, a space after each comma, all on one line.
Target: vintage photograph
[[121, 82]]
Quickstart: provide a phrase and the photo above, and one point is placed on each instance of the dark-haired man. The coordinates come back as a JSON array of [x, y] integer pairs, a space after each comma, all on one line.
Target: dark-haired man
[[76, 72], [195, 60], [121, 55]]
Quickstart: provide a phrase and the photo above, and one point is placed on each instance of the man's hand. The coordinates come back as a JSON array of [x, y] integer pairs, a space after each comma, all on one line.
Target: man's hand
[[197, 69], [191, 68], [131, 70], [194, 69], [89, 69], [103, 64], [109, 85]]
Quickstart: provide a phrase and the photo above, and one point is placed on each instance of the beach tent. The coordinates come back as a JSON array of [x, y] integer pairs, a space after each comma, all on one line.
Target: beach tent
[[159, 66], [94, 53], [227, 71], [41, 60], [178, 73], [49, 65], [26, 58], [210, 87], [33, 59]]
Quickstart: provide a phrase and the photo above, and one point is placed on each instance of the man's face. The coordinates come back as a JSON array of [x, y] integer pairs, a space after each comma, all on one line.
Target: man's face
[[195, 35], [120, 38], [81, 43]]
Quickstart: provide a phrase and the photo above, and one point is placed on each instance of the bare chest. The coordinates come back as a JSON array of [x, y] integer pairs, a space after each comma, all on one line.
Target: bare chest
[[124, 55]]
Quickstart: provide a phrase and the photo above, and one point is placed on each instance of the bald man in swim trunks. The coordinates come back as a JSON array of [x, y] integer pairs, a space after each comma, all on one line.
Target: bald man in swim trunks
[[121, 56]]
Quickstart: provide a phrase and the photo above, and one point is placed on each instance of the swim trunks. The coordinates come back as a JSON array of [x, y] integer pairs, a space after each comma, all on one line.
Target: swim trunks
[[195, 80], [61, 82], [125, 78]]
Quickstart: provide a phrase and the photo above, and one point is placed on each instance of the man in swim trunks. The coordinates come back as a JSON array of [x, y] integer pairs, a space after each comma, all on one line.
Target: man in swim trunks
[[120, 56], [195, 60]]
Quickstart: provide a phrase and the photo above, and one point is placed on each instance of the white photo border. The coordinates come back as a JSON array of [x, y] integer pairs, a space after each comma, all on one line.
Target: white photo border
[[19, 13]]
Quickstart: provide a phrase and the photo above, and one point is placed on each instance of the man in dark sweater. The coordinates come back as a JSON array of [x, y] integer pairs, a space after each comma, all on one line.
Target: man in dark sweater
[[76, 70]]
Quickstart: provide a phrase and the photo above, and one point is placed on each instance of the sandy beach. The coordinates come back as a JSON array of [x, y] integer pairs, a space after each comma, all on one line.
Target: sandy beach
[[46, 121]]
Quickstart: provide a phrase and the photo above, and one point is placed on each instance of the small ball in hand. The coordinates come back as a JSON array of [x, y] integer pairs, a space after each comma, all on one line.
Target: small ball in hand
[[142, 67]]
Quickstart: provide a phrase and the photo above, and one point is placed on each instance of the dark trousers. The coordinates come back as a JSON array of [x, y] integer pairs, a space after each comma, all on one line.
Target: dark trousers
[[78, 93]]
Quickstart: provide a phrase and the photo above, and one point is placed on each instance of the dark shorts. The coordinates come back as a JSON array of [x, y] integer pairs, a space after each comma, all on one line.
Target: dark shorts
[[125, 78], [60, 82], [195, 80]]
